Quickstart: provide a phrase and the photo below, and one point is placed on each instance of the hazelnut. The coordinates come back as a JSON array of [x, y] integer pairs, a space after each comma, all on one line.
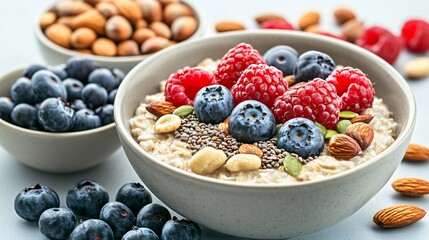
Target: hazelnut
[[155, 44], [59, 34], [166, 2], [183, 27], [161, 29], [151, 9], [104, 47], [84, 51], [68, 21], [128, 48], [47, 19], [141, 23], [175, 10], [71, 8], [141, 35], [118, 28], [107, 9], [83, 38]]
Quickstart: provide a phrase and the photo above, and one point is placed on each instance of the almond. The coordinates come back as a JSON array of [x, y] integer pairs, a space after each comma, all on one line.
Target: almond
[[223, 127], [129, 9], [83, 38], [141, 23], [166, 2], [362, 133], [104, 47], [175, 10], [416, 153], [290, 80], [183, 27], [308, 19], [161, 29], [250, 149], [417, 68], [315, 28], [68, 21], [91, 19], [151, 9], [343, 15], [71, 8], [47, 19], [269, 16], [160, 108], [128, 48], [107, 9], [352, 29], [413, 187], [59, 34], [118, 28], [365, 118], [343, 147], [226, 26], [142, 34], [155, 44], [398, 216]]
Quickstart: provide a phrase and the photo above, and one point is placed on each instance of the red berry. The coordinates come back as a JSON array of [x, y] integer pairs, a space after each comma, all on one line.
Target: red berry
[[182, 86], [259, 82], [234, 62], [381, 42], [416, 35], [276, 24], [354, 88], [317, 100]]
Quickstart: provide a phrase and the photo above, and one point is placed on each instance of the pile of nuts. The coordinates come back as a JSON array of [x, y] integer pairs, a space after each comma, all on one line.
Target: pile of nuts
[[118, 27]]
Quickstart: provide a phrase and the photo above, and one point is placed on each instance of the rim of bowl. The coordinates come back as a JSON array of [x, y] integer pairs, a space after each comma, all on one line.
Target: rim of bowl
[[120, 59], [406, 131], [27, 131]]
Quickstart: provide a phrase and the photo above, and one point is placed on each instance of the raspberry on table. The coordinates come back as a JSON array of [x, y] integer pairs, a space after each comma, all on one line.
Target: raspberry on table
[[381, 42], [182, 86], [354, 88], [234, 62], [276, 24], [415, 32], [259, 82], [317, 100]]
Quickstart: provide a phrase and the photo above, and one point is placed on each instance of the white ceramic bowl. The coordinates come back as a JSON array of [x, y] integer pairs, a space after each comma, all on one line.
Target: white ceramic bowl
[[55, 152], [269, 211], [55, 54]]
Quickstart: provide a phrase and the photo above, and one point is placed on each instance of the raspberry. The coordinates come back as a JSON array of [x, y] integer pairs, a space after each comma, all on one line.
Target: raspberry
[[415, 32], [276, 24], [182, 86], [317, 100], [354, 88], [381, 42], [234, 62], [259, 82]]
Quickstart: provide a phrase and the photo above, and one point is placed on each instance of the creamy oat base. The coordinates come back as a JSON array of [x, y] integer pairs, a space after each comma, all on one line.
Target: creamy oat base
[[168, 149]]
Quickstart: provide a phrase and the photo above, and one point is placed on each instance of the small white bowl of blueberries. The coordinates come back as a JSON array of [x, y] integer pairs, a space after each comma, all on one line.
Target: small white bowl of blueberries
[[59, 118]]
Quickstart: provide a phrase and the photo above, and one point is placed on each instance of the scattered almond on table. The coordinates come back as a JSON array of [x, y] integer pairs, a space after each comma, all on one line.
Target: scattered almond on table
[[398, 216], [413, 187], [416, 153], [229, 25]]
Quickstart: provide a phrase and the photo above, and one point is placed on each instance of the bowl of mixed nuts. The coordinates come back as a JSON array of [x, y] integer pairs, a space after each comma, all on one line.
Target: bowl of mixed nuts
[[118, 33], [265, 134]]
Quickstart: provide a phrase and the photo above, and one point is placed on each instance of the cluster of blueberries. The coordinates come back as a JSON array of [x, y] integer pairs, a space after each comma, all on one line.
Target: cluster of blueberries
[[75, 96], [132, 216]]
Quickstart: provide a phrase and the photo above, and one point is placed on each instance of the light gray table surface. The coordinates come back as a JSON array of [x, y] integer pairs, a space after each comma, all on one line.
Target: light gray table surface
[[18, 48]]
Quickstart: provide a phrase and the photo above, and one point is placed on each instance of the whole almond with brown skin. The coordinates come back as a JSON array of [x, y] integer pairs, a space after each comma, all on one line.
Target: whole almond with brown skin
[[183, 27], [315, 28], [91, 19], [71, 8], [308, 19], [107, 9], [269, 16], [365, 118], [68, 21], [129, 9], [142, 34], [175, 10], [118, 28], [104, 47], [83, 38], [343, 15], [398, 216], [362, 133], [290, 80], [151, 9], [223, 127], [352, 29], [59, 34], [343, 146], [155, 44], [128, 48], [227, 26], [160, 108], [416, 153], [161, 29], [250, 149], [47, 19], [414, 187]]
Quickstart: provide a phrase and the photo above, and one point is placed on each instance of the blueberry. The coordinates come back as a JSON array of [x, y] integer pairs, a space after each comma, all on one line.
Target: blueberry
[[74, 88], [32, 69], [313, 64], [301, 136], [92, 229], [60, 71], [111, 97], [55, 116], [283, 58], [86, 198], [103, 77], [106, 114], [33, 201], [25, 115], [119, 217], [181, 229], [57, 223], [139, 234], [86, 119], [78, 104], [46, 84], [94, 95], [252, 121], [213, 104], [22, 91], [6, 106], [119, 76], [153, 216], [79, 67], [134, 195]]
